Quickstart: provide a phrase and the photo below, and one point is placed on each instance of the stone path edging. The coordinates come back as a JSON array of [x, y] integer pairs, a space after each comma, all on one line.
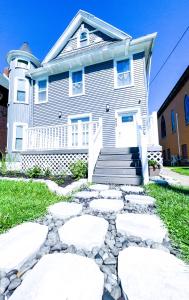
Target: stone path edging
[[53, 186]]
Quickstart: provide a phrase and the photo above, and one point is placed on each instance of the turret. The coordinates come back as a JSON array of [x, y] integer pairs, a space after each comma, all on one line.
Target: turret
[[20, 96]]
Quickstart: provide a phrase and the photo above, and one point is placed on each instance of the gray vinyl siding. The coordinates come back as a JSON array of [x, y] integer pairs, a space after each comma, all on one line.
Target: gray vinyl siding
[[92, 40], [99, 91]]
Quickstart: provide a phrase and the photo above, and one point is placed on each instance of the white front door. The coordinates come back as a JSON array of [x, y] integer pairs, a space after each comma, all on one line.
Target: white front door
[[126, 134]]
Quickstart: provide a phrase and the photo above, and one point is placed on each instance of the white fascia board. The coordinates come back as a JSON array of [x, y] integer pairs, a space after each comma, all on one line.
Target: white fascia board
[[75, 23], [104, 53]]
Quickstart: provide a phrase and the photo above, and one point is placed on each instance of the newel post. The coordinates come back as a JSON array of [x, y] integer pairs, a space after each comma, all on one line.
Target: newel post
[[90, 153]]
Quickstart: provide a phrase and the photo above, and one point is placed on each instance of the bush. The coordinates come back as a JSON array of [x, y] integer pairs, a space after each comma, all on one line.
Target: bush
[[153, 163], [47, 172], [79, 169], [34, 172], [3, 166]]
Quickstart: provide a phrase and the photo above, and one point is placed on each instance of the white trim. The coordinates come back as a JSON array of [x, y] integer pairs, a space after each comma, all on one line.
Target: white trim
[[25, 126], [70, 82], [79, 116], [135, 109], [36, 100], [27, 86], [130, 57], [80, 17]]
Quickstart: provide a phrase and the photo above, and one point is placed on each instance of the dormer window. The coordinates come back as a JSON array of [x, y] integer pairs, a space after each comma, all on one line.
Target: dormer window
[[83, 38]]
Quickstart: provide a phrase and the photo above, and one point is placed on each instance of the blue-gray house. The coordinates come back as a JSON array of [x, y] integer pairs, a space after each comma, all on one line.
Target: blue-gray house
[[88, 99]]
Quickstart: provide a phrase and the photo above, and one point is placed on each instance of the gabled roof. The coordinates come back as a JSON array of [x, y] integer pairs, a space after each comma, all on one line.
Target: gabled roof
[[90, 19], [180, 83]]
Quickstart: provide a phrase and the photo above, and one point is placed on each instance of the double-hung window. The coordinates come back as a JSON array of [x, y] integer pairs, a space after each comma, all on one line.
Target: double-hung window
[[173, 123], [42, 91], [186, 109], [123, 76], [19, 129], [21, 90], [76, 83]]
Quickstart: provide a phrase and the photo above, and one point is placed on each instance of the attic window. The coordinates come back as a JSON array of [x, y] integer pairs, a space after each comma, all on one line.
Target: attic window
[[83, 38]]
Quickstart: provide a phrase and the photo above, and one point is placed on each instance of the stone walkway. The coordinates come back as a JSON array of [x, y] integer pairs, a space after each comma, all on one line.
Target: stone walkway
[[107, 243], [166, 173]]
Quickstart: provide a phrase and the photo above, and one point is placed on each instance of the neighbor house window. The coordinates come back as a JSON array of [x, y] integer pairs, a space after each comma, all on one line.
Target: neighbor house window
[[22, 64], [123, 73], [173, 123], [163, 127], [184, 151], [19, 136], [42, 92], [186, 109], [21, 90], [77, 83]]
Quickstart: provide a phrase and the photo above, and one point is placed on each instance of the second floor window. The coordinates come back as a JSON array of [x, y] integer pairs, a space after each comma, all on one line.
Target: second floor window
[[21, 95], [41, 91], [77, 83], [173, 123], [123, 73], [186, 109]]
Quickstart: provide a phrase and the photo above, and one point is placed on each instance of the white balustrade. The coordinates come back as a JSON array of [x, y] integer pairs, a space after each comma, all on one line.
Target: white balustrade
[[69, 136]]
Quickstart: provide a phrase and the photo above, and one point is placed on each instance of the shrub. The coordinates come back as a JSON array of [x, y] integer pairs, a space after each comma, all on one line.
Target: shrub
[[34, 172], [3, 166], [47, 172], [153, 163], [79, 169]]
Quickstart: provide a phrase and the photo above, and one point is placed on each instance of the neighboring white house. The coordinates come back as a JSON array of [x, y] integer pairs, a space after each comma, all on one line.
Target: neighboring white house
[[88, 99]]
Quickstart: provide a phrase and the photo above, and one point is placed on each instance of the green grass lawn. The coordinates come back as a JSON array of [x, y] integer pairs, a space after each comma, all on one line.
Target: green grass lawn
[[173, 208], [181, 170], [23, 201]]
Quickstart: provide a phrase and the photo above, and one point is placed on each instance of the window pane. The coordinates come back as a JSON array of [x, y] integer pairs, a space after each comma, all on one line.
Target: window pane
[[22, 63], [83, 36], [21, 96], [21, 84], [42, 96], [173, 124], [186, 107], [19, 132], [77, 76], [124, 79], [42, 84], [126, 119], [77, 88], [18, 144], [123, 66], [84, 119]]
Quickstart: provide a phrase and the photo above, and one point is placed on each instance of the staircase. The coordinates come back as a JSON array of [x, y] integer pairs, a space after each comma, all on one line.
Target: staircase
[[118, 166]]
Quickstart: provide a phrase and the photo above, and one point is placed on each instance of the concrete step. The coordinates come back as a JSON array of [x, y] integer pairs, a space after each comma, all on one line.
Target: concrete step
[[118, 163], [114, 150], [118, 171], [113, 179], [119, 156]]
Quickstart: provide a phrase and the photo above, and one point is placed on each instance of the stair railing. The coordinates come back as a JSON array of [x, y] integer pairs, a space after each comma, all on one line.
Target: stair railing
[[95, 145], [143, 149]]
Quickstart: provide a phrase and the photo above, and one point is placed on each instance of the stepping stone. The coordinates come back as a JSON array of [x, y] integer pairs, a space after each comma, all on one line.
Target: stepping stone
[[86, 194], [84, 232], [148, 274], [112, 194], [141, 225], [99, 187], [140, 199], [107, 205], [64, 210], [62, 276], [132, 189], [19, 244]]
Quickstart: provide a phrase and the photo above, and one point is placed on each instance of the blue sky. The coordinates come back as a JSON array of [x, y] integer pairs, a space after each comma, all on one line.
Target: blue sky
[[42, 22]]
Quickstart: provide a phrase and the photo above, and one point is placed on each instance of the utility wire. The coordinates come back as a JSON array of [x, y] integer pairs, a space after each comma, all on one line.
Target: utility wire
[[162, 66]]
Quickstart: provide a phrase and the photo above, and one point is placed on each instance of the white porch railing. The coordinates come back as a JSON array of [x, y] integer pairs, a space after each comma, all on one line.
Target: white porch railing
[[69, 136], [95, 144], [143, 150]]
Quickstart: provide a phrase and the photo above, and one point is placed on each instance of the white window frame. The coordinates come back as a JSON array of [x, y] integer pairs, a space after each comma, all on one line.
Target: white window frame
[[29, 65], [131, 72], [25, 127], [83, 29], [16, 89], [70, 82], [37, 90]]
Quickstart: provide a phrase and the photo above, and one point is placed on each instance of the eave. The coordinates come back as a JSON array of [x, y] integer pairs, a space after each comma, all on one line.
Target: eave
[[89, 57]]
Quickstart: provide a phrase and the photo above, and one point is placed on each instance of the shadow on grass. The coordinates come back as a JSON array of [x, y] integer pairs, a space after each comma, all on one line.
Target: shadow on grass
[[182, 190]]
